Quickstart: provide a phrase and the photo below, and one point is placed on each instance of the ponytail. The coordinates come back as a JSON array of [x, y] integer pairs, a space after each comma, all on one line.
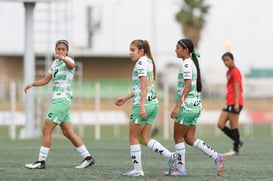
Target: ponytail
[[199, 80], [187, 43], [148, 52]]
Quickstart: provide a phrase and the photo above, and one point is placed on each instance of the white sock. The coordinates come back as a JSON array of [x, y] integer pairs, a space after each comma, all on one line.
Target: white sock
[[181, 152], [43, 153], [82, 150], [202, 146], [135, 151], [158, 148]]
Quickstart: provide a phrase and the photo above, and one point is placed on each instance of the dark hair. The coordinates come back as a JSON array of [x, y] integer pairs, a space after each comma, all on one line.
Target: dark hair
[[187, 43], [144, 44], [230, 55], [65, 42]]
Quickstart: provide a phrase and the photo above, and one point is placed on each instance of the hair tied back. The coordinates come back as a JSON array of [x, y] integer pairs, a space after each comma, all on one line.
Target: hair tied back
[[196, 53]]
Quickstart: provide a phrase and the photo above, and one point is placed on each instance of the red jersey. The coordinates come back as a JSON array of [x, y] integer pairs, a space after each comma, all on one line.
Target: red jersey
[[234, 75]]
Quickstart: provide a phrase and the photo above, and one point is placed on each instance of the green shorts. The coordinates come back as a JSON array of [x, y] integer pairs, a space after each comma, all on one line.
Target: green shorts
[[59, 111], [188, 114], [151, 110]]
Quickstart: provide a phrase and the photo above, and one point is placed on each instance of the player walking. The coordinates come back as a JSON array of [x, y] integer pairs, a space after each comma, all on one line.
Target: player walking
[[145, 107], [61, 72]]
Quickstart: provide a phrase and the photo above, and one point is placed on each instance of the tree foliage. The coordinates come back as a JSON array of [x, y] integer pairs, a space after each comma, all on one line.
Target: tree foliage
[[191, 16]]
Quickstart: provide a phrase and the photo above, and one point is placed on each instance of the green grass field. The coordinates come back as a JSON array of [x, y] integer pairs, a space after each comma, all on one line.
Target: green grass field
[[112, 159]]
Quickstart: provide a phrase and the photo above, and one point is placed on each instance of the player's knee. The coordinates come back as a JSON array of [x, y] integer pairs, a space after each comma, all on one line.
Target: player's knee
[[178, 139], [145, 140], [46, 130], [189, 140], [220, 125], [66, 134]]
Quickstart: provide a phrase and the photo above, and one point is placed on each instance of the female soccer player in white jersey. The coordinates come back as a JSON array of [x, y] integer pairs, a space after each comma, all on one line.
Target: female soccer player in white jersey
[[187, 109], [61, 73], [145, 107]]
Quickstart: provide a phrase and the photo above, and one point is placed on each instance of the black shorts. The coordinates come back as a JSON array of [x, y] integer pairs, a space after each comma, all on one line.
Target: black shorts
[[230, 108]]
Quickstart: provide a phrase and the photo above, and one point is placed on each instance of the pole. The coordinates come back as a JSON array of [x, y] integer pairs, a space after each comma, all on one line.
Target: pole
[[29, 68], [166, 111], [12, 128], [97, 109]]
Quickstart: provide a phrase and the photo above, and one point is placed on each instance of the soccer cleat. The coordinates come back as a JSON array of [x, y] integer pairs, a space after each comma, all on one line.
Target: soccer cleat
[[231, 153], [134, 173], [172, 162], [176, 173], [241, 144], [36, 165], [219, 162], [87, 162]]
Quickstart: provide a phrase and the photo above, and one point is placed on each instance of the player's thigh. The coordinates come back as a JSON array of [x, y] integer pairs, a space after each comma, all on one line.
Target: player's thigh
[[233, 120]]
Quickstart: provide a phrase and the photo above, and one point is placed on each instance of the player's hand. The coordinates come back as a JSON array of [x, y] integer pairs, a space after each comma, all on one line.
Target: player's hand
[[119, 101], [143, 113], [29, 86], [59, 57], [236, 108], [174, 113]]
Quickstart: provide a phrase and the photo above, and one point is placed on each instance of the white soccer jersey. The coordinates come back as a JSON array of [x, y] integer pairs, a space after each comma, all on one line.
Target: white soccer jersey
[[143, 67], [62, 79], [187, 71]]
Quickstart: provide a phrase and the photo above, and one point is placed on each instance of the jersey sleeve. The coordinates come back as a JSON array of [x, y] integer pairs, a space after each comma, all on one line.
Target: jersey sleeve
[[187, 70], [70, 60], [141, 67]]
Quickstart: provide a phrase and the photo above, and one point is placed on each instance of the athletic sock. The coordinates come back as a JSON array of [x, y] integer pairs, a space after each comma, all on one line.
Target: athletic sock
[[82, 150], [43, 153], [135, 151], [181, 152], [202, 146], [236, 137], [228, 132], [158, 148]]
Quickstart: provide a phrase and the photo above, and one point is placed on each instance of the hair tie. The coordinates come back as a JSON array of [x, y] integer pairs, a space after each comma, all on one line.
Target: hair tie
[[196, 53]]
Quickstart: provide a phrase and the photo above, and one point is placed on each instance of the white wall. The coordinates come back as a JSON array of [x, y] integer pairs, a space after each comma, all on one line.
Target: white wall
[[245, 23]]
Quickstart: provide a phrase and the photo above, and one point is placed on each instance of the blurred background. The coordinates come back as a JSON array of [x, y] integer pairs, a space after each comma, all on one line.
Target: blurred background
[[99, 33]]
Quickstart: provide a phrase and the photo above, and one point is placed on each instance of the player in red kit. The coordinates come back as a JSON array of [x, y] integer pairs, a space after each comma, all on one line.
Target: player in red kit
[[234, 104]]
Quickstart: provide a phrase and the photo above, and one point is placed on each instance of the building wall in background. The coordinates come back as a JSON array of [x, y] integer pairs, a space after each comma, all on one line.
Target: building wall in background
[[94, 68]]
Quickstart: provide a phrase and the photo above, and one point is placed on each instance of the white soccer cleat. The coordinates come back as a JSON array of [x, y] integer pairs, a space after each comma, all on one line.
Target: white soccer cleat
[[134, 173], [231, 153], [36, 165], [87, 162]]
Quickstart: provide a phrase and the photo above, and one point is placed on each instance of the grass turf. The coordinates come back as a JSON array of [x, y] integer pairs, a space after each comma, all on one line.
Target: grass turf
[[112, 159]]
